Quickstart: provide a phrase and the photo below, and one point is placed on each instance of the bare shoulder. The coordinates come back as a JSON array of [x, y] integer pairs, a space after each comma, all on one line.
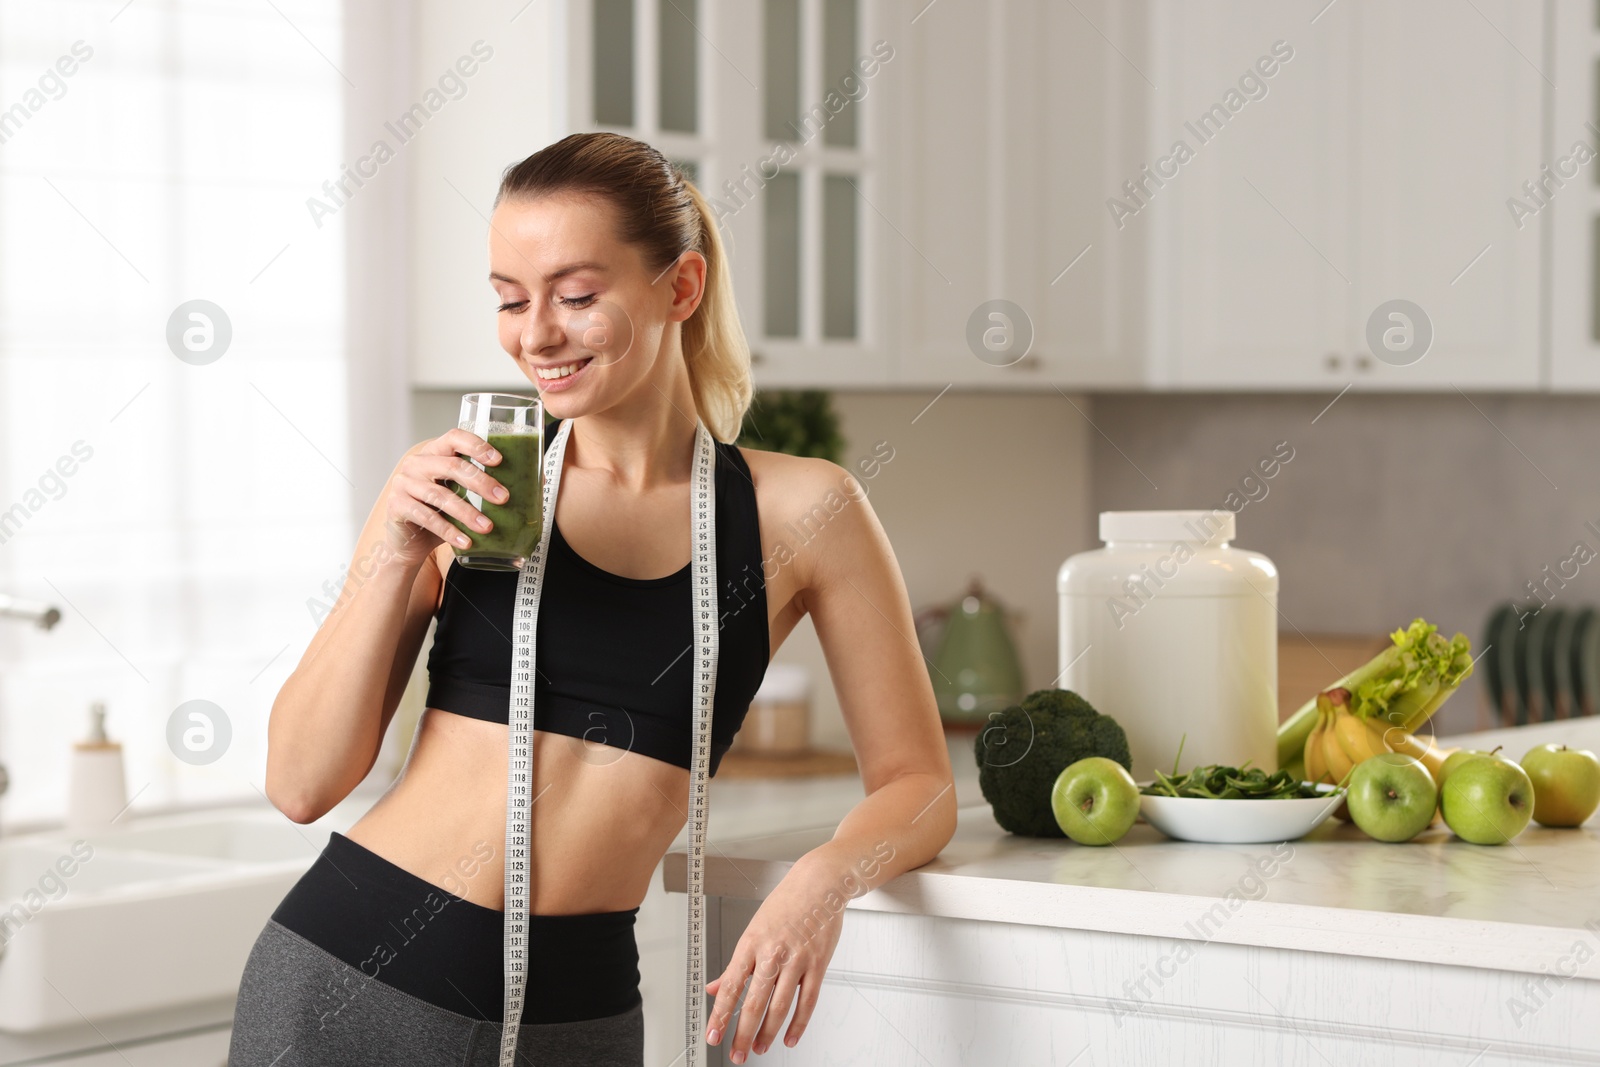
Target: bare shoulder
[[799, 481], [814, 511], [783, 480]]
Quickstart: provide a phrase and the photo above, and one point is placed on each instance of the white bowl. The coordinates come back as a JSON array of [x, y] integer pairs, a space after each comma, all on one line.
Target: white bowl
[[1238, 822]]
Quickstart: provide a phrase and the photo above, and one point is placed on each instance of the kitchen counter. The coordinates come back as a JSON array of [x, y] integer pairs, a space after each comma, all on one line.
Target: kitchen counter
[[1434, 900], [1013, 949]]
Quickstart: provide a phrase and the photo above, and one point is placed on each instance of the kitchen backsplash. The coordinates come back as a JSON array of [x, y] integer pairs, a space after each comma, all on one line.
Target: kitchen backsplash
[[1393, 506], [1388, 507]]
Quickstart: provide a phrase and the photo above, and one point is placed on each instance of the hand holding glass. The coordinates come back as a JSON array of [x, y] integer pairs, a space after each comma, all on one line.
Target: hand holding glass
[[514, 427]]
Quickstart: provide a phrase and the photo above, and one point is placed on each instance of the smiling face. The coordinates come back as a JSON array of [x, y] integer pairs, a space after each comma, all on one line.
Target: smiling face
[[582, 313]]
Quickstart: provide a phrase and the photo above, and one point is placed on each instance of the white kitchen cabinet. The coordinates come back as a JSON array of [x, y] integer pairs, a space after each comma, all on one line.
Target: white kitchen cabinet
[[1009, 127], [964, 187], [1090, 273], [809, 247], [1025, 152], [1446, 116], [1375, 167], [1252, 264], [1567, 207]]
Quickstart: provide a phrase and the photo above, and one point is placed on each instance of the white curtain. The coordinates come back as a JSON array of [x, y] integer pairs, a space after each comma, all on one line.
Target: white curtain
[[207, 502]]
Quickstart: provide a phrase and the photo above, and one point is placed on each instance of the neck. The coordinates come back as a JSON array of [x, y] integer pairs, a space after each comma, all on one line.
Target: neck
[[645, 440]]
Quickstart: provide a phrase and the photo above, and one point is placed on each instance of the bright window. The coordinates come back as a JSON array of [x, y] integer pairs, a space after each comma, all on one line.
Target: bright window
[[183, 513]]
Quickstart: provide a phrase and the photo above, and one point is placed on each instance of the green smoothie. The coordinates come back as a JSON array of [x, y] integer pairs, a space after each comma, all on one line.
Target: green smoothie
[[519, 521]]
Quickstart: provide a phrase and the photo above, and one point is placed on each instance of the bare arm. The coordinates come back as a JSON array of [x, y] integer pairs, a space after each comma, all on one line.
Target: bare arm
[[328, 720], [851, 586], [857, 601]]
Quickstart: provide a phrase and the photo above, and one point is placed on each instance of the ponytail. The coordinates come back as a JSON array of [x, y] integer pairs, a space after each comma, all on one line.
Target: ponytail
[[714, 344]]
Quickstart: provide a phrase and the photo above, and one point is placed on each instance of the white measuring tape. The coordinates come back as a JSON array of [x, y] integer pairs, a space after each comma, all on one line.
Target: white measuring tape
[[519, 765]]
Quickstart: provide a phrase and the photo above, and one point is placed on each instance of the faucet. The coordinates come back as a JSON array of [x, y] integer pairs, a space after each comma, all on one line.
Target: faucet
[[42, 615]]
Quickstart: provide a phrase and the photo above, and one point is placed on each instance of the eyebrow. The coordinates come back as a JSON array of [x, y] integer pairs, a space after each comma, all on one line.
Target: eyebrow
[[555, 275]]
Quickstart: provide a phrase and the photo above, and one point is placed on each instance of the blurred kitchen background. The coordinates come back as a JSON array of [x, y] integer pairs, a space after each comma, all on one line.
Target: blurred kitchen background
[[321, 174], [1059, 257]]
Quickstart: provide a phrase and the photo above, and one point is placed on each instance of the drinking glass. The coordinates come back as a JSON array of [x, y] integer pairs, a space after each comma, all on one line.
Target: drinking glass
[[514, 426]]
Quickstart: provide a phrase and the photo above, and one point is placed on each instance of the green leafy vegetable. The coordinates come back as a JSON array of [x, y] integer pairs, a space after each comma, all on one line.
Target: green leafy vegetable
[[1220, 782]]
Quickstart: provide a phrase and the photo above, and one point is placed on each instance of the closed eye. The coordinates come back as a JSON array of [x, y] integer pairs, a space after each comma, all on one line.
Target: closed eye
[[513, 305]]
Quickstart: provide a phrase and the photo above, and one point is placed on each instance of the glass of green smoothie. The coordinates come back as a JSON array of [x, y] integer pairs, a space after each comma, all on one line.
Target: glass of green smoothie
[[514, 426]]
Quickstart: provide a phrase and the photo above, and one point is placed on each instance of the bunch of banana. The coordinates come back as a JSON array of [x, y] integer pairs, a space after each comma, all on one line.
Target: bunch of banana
[[1340, 739]]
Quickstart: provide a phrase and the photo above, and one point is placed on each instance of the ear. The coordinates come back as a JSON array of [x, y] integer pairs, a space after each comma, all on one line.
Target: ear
[[687, 281]]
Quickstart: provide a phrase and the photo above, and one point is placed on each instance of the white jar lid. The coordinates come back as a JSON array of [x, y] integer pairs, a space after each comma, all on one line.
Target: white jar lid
[[1198, 527]]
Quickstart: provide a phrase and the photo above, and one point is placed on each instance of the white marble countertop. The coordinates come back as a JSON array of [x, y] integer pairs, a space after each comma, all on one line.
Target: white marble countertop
[[1435, 899]]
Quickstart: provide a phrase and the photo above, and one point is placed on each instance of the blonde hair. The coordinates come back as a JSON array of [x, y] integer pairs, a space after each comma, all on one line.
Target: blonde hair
[[661, 212]]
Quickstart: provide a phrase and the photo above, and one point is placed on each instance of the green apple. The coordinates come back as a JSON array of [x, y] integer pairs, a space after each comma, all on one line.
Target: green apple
[[1487, 801], [1457, 758], [1095, 800], [1392, 796], [1566, 784]]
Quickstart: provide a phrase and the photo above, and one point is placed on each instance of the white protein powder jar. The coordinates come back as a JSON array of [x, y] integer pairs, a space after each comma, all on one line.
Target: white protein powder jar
[[1175, 635]]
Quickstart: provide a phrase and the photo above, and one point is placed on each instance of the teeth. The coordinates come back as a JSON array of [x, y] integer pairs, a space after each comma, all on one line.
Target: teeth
[[558, 372]]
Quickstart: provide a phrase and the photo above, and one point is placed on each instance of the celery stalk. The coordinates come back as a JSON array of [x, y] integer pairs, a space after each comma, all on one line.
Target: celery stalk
[[1407, 705], [1460, 670], [1404, 684]]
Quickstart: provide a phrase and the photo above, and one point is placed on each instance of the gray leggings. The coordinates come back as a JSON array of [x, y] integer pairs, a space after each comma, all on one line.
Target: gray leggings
[[285, 1017]]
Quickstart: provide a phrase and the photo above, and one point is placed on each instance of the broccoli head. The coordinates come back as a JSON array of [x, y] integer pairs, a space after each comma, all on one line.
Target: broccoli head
[[1024, 749]]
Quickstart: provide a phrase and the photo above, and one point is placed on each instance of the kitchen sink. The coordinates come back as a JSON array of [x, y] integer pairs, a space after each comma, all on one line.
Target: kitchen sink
[[34, 877], [153, 914], [268, 838]]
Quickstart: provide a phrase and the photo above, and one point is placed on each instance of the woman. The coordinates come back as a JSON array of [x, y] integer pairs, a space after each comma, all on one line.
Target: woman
[[389, 950]]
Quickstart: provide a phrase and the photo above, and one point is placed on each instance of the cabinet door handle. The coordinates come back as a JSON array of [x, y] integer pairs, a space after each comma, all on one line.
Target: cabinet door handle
[[1029, 361], [1333, 361], [1363, 363], [756, 357]]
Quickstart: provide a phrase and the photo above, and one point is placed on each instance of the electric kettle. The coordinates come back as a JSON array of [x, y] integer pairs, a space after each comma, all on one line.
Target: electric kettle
[[973, 665]]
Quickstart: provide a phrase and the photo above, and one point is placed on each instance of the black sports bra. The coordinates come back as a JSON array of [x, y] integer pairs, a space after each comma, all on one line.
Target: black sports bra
[[613, 653]]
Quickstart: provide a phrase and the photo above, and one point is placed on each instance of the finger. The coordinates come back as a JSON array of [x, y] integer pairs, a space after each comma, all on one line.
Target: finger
[[728, 988], [441, 499], [757, 996], [464, 441], [424, 517], [810, 988], [462, 472], [777, 1008]]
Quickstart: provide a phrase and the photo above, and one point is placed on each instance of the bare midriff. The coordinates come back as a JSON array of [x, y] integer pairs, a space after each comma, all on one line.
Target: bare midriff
[[602, 817]]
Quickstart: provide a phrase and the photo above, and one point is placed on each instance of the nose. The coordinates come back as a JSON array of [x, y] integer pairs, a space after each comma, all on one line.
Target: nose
[[542, 331]]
